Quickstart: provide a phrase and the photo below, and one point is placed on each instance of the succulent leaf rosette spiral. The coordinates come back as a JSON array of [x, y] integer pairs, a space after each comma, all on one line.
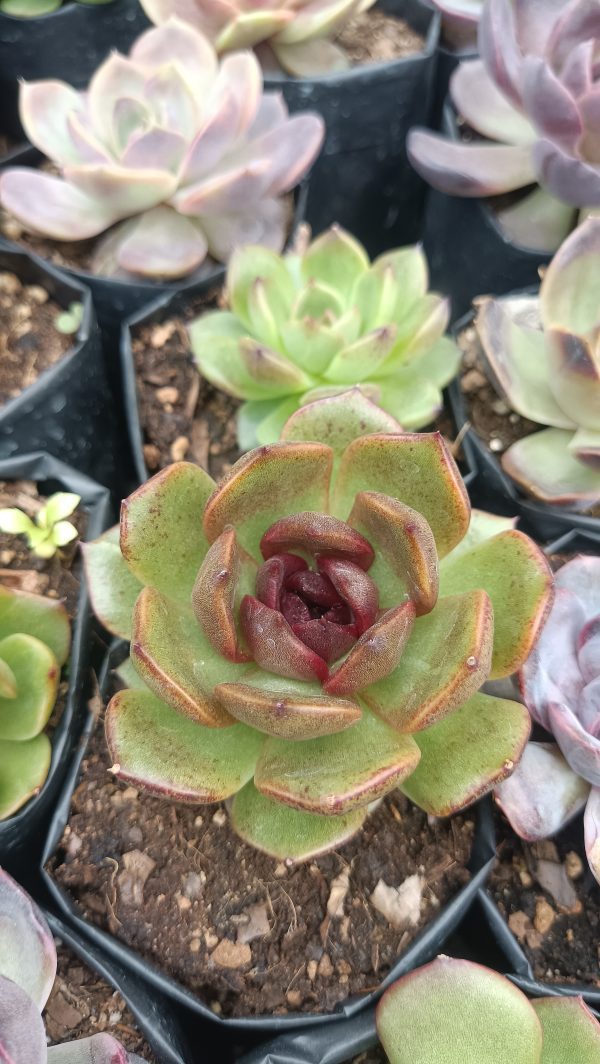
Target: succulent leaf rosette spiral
[[456, 1012], [34, 643], [532, 97], [315, 322], [187, 154], [27, 973], [300, 649], [560, 684], [543, 352], [294, 35]]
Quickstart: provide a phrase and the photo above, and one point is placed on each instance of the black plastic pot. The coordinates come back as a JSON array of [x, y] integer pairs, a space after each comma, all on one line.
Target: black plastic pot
[[68, 411], [242, 1033], [468, 253], [156, 1020], [363, 179], [67, 44], [336, 1044], [491, 488], [22, 836]]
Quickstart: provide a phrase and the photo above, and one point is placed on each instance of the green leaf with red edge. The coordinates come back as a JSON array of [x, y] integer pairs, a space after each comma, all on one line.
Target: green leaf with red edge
[[176, 661], [415, 468], [405, 556], [42, 618], [24, 767], [516, 576], [265, 485], [290, 834], [467, 753], [113, 587], [571, 1031], [289, 709], [37, 674], [376, 654], [171, 756], [445, 661], [161, 529], [215, 594], [334, 773], [456, 1012], [544, 465]]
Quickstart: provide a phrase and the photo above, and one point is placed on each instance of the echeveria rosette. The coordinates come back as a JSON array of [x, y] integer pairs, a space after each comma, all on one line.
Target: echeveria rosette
[[312, 323], [290, 35], [240, 598], [457, 1012], [27, 973], [34, 644], [533, 97], [544, 354], [561, 688], [187, 153]]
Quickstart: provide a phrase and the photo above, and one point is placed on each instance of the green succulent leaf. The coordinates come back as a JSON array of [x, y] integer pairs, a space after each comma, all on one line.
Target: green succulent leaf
[[246, 265], [204, 764], [8, 682], [24, 767], [113, 587], [288, 709], [571, 1032], [42, 618], [159, 551], [336, 260], [517, 578], [37, 674], [290, 834], [467, 753], [545, 466]]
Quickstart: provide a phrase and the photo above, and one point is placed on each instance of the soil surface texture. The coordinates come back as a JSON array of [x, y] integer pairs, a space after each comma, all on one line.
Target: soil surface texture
[[181, 414], [247, 934], [83, 1004], [549, 897], [29, 340], [374, 37]]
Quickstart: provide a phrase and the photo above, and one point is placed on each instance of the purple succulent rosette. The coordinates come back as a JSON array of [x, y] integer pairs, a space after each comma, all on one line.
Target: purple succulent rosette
[[533, 98], [186, 154], [543, 353], [27, 973], [561, 688]]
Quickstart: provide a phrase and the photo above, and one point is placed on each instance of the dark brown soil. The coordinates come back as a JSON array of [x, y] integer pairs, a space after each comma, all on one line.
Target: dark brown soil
[[181, 414], [557, 928], [374, 37], [82, 1004], [250, 935], [29, 340]]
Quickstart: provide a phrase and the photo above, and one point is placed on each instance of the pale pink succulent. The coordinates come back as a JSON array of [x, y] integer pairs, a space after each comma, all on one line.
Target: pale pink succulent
[[185, 152], [561, 687], [294, 35]]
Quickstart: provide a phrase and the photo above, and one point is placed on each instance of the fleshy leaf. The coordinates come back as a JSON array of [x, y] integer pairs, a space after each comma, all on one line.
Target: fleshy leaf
[[163, 553], [571, 1031], [36, 616], [520, 603], [543, 464], [336, 259], [376, 654], [445, 661], [214, 595], [275, 647], [334, 773], [290, 834], [415, 468], [113, 587], [591, 823], [24, 767], [569, 293], [37, 676], [27, 950], [468, 753], [285, 708], [543, 793], [204, 764], [474, 170], [316, 533], [22, 1034]]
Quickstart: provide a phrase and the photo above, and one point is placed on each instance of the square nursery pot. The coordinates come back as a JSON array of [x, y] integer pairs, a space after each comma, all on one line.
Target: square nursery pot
[[68, 411], [22, 835], [493, 489], [67, 44], [467, 251], [363, 179], [157, 1021], [233, 1035]]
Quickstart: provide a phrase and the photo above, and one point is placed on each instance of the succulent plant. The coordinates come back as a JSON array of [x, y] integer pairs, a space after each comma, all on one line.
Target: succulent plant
[[456, 1012], [560, 684], [292, 34], [316, 322], [27, 972], [187, 154], [543, 353], [34, 643], [69, 320], [532, 97], [288, 637], [460, 19], [36, 8], [49, 530]]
